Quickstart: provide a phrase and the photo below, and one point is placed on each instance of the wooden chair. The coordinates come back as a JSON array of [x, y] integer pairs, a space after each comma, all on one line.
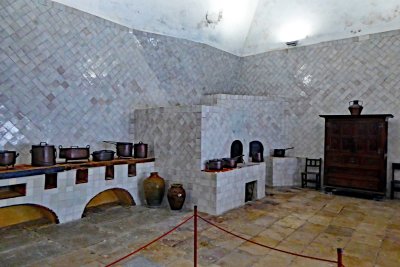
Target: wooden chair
[[394, 184], [312, 173]]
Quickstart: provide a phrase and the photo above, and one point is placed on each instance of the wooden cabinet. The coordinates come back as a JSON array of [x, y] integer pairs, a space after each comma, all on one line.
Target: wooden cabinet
[[356, 151]]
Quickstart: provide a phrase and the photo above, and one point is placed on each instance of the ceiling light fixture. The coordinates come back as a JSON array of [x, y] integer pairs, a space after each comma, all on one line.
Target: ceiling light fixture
[[292, 43]]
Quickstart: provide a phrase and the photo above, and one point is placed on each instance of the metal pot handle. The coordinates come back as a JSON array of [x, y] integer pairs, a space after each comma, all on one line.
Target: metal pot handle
[[60, 146], [88, 146], [45, 143], [16, 155]]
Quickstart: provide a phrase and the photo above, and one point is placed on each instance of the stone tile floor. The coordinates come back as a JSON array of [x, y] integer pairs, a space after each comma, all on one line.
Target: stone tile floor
[[299, 220]]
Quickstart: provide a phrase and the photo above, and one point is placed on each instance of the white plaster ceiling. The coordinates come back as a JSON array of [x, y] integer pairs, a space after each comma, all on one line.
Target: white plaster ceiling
[[246, 27]]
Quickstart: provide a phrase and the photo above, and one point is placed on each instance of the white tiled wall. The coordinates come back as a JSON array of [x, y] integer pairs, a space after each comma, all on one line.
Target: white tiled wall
[[70, 78], [323, 78]]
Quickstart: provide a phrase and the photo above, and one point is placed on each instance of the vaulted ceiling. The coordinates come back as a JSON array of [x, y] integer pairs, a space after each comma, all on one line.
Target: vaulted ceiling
[[246, 27]]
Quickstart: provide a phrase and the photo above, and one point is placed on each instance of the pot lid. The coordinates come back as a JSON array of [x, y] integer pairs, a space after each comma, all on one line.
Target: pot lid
[[43, 144]]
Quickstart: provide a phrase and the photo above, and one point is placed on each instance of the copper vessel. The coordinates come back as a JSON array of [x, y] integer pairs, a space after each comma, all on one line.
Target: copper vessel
[[8, 158], [140, 150], [43, 154], [124, 149], [74, 153]]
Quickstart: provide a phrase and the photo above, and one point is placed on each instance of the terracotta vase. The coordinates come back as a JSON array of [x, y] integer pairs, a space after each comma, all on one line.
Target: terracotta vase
[[355, 108], [176, 196], [154, 187]]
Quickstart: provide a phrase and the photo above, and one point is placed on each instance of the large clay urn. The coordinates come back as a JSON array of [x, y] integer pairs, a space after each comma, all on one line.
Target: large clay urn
[[154, 187], [176, 196]]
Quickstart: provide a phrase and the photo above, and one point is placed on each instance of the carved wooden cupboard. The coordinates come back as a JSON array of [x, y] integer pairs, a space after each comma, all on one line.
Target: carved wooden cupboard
[[356, 151]]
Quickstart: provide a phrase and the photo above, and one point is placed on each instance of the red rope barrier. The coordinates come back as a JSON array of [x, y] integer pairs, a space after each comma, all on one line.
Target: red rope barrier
[[256, 243], [195, 216], [148, 244]]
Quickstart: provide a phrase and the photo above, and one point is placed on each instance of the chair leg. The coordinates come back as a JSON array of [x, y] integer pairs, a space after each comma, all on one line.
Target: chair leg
[[303, 180], [391, 190]]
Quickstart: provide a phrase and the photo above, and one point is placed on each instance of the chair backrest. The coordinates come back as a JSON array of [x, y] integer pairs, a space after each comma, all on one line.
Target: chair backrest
[[313, 164], [395, 166]]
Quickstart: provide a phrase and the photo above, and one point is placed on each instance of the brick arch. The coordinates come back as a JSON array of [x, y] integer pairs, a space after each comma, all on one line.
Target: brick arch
[[25, 212], [113, 195]]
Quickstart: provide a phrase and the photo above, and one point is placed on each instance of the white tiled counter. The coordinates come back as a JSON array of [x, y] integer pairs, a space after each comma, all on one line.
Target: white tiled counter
[[284, 171], [69, 199]]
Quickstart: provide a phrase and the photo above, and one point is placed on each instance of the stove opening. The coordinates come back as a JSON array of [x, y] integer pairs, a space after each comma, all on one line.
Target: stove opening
[[251, 191], [237, 150], [256, 151]]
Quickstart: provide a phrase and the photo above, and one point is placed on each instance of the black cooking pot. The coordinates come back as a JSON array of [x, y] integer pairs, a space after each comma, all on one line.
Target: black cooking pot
[[281, 152], [8, 158], [140, 150], [43, 155], [257, 157], [103, 155], [214, 164], [74, 153], [231, 162], [124, 149]]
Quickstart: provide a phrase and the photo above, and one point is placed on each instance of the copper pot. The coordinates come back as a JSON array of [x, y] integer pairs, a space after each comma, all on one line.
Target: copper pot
[[140, 150], [103, 155], [214, 164], [258, 157], [74, 153], [281, 152], [43, 155], [231, 162], [124, 149], [8, 158]]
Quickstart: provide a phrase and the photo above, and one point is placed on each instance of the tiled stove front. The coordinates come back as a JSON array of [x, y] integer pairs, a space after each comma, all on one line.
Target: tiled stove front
[[230, 186]]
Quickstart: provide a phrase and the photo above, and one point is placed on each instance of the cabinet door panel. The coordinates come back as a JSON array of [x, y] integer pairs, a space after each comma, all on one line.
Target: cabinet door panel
[[351, 160], [333, 180], [354, 173], [355, 149]]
